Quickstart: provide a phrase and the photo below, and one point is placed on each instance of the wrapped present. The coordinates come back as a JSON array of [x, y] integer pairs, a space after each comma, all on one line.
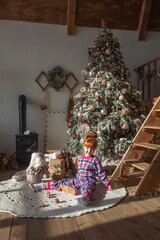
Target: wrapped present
[[57, 169]]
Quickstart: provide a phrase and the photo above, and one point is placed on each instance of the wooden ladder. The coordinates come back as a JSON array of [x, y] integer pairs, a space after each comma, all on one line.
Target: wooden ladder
[[150, 182]]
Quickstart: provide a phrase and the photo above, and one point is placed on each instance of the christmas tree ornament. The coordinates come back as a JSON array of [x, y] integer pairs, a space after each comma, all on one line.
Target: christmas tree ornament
[[70, 124], [74, 136], [98, 49], [84, 105], [87, 85], [79, 114], [125, 126], [94, 46], [108, 51], [86, 102], [104, 82], [82, 140], [121, 98], [96, 94], [106, 67], [116, 44], [103, 111], [125, 111], [106, 101], [92, 107], [98, 99], [109, 85]]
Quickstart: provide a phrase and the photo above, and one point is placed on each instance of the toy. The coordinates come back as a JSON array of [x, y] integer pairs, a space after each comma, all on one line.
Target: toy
[[47, 194], [37, 161], [68, 189], [56, 200], [41, 204]]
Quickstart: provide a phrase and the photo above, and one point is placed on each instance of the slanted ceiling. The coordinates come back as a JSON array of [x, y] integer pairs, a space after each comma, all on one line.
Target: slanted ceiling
[[137, 15]]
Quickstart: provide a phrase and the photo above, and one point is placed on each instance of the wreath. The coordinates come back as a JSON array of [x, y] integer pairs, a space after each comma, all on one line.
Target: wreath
[[51, 78]]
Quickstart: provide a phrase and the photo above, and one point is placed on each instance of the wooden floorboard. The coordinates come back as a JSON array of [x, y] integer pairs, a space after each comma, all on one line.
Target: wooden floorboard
[[134, 218]]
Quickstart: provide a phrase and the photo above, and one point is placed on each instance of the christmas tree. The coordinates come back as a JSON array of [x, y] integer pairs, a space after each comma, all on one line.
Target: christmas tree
[[107, 104]]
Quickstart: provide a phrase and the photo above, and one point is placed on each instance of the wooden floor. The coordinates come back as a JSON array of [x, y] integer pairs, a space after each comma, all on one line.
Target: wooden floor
[[133, 218]]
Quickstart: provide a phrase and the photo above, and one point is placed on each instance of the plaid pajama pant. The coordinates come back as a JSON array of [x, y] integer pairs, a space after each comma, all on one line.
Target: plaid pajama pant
[[85, 187]]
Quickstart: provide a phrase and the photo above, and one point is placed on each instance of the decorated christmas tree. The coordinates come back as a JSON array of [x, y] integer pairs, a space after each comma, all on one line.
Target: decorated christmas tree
[[107, 104]]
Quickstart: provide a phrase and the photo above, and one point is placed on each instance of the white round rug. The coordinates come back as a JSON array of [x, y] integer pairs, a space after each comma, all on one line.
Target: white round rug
[[18, 199]]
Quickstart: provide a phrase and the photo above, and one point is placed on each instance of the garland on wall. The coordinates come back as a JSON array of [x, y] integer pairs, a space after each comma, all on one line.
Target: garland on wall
[[56, 83], [148, 76]]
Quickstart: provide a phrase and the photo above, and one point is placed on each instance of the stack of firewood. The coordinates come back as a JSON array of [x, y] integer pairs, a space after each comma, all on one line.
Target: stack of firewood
[[5, 159]]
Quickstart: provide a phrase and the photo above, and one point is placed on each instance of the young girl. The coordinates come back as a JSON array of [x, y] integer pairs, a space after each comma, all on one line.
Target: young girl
[[88, 166]]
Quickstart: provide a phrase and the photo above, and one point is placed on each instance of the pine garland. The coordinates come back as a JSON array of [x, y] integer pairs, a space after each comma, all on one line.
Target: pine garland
[[54, 82]]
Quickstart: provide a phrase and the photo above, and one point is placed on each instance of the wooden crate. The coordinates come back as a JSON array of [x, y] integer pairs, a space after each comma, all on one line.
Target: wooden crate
[[74, 165]]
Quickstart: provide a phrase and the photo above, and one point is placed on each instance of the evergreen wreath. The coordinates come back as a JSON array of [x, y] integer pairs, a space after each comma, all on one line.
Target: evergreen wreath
[[51, 78]]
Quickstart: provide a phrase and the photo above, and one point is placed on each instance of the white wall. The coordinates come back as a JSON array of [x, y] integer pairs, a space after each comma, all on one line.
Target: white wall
[[28, 48]]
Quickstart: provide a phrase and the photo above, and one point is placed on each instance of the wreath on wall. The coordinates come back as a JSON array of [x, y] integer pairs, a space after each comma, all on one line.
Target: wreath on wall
[[54, 82]]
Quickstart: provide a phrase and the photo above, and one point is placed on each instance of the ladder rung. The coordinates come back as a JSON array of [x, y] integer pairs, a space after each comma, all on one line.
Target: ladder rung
[[151, 127], [141, 165], [147, 145], [130, 161], [156, 110]]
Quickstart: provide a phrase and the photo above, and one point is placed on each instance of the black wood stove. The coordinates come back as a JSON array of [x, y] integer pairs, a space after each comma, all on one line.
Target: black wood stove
[[25, 144]]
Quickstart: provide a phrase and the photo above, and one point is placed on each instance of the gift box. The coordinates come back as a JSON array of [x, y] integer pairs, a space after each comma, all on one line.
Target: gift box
[[57, 169]]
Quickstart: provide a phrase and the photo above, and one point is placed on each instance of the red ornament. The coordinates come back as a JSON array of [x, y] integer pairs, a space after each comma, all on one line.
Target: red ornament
[[125, 95], [74, 136], [106, 68], [86, 102], [87, 85], [98, 99], [116, 44], [70, 124], [98, 49], [84, 121], [123, 78], [92, 64]]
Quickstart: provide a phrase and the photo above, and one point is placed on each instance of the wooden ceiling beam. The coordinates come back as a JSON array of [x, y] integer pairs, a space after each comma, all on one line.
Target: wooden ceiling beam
[[144, 19], [71, 15]]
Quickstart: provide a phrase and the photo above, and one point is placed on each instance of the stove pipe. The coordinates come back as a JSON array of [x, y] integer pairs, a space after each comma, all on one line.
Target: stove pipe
[[22, 114]]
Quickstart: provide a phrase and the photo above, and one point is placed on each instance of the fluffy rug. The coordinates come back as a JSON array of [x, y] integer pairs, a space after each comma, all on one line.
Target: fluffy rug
[[18, 199]]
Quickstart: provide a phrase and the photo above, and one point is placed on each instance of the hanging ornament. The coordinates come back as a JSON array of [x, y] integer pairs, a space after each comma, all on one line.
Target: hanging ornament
[[44, 100], [70, 124], [79, 114], [98, 49], [74, 136], [104, 82], [121, 98], [109, 85], [125, 111], [92, 107], [123, 78], [84, 121], [116, 44], [106, 68], [98, 99], [96, 94], [103, 111], [125, 126], [86, 102], [94, 46], [92, 64], [108, 51], [82, 140], [87, 85]]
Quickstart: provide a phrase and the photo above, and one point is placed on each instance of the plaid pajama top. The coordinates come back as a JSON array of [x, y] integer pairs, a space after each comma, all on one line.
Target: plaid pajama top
[[88, 167]]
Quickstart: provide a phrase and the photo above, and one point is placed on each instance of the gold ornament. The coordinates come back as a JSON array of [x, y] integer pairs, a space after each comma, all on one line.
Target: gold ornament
[[94, 46], [92, 107], [125, 111], [104, 82]]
